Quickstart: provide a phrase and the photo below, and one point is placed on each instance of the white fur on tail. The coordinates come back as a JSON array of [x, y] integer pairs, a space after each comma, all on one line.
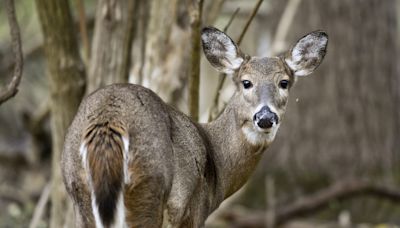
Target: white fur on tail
[[119, 220]]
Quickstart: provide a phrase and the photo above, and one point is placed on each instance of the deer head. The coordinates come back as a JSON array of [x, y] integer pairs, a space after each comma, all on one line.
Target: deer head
[[262, 84]]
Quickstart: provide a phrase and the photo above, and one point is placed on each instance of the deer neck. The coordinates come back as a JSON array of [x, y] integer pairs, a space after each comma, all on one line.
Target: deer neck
[[235, 157]]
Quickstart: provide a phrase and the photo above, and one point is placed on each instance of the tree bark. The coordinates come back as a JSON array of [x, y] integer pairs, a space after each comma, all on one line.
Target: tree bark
[[112, 42], [167, 53], [67, 82]]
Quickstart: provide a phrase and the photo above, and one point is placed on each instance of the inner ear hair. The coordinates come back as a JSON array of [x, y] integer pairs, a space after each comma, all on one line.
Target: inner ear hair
[[221, 51], [287, 69], [307, 54]]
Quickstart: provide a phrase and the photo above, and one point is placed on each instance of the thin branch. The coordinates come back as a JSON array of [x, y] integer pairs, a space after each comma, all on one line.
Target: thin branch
[[194, 80], [214, 108], [12, 87], [252, 15], [40, 207], [231, 20]]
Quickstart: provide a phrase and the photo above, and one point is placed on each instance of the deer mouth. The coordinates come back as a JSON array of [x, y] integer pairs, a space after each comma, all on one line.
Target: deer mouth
[[262, 130], [259, 136], [255, 128]]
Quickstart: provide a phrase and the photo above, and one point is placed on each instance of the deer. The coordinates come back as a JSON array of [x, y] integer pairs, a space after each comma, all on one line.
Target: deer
[[131, 160]]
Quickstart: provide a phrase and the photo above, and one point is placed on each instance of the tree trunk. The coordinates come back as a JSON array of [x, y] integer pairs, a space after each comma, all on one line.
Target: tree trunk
[[167, 52], [112, 43], [67, 82]]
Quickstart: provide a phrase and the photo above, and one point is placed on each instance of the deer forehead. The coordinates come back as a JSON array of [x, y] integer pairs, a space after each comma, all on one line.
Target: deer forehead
[[263, 68]]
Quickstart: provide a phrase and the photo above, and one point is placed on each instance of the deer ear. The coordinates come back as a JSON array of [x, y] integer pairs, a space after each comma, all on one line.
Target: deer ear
[[221, 51], [307, 53]]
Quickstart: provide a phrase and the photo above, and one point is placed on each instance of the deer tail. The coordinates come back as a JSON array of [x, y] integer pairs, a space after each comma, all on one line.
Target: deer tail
[[104, 152]]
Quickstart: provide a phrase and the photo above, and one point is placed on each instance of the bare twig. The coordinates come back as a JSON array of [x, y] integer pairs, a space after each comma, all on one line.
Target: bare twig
[[40, 206], [231, 19], [83, 29], [12, 87], [194, 80], [252, 15], [214, 108]]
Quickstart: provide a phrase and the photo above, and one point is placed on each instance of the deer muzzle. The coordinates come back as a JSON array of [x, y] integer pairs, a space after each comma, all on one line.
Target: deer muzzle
[[265, 118]]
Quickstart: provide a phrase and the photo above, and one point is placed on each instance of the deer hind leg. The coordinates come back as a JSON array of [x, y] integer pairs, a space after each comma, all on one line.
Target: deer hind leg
[[144, 200], [81, 199]]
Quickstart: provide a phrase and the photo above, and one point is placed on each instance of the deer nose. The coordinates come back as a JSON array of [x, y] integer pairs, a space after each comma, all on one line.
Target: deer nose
[[265, 118]]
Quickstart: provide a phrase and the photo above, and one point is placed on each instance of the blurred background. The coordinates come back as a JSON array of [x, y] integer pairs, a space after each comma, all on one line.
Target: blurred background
[[335, 161]]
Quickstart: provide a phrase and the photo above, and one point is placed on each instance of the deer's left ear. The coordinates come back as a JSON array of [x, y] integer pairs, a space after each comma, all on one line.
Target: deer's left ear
[[307, 53], [221, 51]]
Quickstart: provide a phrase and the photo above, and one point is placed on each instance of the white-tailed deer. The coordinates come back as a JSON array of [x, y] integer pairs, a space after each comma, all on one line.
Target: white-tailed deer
[[130, 160]]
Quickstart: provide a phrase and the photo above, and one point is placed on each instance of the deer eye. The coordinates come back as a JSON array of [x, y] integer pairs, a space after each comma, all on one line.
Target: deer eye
[[247, 84], [284, 84]]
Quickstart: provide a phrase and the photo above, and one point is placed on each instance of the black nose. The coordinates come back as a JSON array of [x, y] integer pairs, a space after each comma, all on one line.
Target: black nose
[[265, 118]]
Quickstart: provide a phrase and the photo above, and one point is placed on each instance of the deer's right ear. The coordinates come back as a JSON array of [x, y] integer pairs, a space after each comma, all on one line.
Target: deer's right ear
[[221, 51]]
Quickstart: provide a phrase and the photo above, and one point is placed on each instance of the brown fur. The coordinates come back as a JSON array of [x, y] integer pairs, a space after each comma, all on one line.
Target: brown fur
[[103, 139]]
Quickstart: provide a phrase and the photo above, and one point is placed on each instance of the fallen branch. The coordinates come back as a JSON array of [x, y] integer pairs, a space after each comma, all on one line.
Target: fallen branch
[[310, 204], [12, 88], [338, 191]]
